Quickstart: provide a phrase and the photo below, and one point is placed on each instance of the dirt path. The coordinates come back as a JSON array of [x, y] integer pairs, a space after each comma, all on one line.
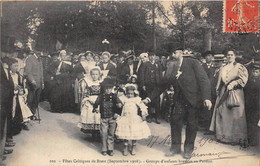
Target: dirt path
[[58, 141]]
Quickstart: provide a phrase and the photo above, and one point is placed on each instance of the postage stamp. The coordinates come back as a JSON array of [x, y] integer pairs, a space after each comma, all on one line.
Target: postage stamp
[[241, 16]]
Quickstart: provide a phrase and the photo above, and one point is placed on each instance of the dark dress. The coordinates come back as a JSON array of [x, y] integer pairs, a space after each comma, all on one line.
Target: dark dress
[[51, 72], [17, 118], [252, 92], [62, 98], [46, 62], [78, 71]]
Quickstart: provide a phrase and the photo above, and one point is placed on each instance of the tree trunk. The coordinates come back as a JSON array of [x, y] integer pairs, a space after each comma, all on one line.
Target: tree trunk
[[207, 39], [182, 28], [154, 37]]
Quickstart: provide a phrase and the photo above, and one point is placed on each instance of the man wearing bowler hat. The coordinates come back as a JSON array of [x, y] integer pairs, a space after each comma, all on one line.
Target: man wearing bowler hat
[[192, 89], [34, 73]]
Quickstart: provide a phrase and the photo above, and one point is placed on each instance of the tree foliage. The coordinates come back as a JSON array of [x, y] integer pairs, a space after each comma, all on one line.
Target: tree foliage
[[82, 26]]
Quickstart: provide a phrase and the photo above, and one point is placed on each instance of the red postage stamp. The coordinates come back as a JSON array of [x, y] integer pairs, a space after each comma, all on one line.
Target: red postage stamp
[[241, 16]]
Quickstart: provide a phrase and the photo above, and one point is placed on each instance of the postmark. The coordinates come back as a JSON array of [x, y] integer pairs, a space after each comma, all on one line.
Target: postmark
[[241, 16]]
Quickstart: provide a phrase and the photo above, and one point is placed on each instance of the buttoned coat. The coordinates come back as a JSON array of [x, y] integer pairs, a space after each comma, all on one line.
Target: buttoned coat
[[193, 82], [34, 70]]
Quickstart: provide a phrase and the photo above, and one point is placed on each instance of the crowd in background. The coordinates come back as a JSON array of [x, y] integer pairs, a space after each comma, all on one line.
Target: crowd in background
[[71, 82]]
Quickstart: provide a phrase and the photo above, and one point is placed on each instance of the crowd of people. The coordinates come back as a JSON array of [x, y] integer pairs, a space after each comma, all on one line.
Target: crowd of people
[[117, 95]]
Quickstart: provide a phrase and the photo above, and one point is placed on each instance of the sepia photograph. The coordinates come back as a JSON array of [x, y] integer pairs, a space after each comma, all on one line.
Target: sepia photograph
[[121, 82]]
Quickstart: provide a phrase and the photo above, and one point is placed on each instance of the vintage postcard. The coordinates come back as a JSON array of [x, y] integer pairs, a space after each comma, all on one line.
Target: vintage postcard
[[142, 83]]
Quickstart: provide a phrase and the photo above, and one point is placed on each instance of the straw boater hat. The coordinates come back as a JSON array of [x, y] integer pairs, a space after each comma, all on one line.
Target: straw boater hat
[[81, 54], [106, 53], [255, 66], [219, 57], [89, 52]]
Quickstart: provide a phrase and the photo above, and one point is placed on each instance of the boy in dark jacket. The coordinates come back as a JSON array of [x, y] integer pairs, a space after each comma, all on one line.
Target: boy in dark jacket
[[167, 103], [109, 113]]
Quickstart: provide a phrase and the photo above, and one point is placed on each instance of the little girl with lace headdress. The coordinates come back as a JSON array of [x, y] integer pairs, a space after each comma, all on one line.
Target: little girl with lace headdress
[[131, 126], [89, 90]]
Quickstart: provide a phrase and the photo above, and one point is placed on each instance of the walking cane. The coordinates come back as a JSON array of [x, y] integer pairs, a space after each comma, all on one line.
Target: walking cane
[[38, 114], [37, 109]]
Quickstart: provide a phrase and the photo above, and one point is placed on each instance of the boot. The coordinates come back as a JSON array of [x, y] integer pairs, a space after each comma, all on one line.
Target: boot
[[156, 121], [149, 119], [25, 126], [133, 150], [125, 151]]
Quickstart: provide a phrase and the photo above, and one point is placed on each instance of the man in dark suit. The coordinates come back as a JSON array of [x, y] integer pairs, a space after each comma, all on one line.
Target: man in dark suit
[[120, 63], [151, 74], [107, 65], [210, 69], [192, 88], [7, 93], [128, 69], [143, 58], [34, 74], [119, 67]]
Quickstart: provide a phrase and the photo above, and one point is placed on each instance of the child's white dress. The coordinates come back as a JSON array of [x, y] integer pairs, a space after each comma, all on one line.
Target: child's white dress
[[26, 112], [130, 125], [21, 100]]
